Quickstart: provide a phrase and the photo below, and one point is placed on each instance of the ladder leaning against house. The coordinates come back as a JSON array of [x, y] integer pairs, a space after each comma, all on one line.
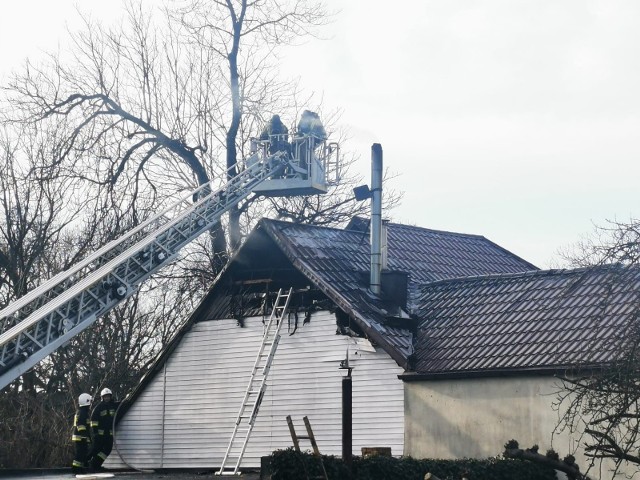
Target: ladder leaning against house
[[257, 386]]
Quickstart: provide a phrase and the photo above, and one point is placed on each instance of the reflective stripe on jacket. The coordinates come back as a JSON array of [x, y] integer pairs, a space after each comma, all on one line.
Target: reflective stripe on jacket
[[102, 418], [81, 425]]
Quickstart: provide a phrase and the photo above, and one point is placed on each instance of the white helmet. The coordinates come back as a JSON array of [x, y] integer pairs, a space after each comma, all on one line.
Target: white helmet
[[105, 391], [84, 399]]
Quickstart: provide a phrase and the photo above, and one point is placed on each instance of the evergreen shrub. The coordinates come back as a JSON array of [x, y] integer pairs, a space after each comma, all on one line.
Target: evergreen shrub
[[291, 465]]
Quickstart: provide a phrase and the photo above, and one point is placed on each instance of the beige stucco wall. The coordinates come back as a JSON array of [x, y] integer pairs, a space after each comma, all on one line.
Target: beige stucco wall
[[476, 417]]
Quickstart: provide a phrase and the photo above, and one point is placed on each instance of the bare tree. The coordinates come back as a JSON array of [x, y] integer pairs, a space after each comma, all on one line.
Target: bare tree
[[48, 222], [600, 402], [614, 242], [136, 109], [246, 35], [38, 209], [153, 92], [31, 220], [159, 99]]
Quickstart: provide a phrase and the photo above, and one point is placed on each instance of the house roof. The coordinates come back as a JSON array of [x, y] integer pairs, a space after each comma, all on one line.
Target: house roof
[[337, 261], [538, 321]]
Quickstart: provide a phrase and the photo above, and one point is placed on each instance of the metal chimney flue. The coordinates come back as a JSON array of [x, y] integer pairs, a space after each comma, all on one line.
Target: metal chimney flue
[[376, 218]]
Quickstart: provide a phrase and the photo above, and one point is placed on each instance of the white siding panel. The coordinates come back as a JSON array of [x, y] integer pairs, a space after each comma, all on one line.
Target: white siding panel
[[138, 441], [185, 417]]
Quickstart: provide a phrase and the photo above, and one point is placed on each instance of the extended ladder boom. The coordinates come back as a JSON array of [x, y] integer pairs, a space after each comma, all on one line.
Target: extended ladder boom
[[38, 323]]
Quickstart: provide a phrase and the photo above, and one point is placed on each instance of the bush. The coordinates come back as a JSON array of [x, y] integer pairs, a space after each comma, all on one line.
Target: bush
[[291, 465]]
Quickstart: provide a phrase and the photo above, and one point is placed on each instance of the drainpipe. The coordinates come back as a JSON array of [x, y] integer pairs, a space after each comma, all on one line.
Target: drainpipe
[[347, 419], [347, 413], [376, 217]]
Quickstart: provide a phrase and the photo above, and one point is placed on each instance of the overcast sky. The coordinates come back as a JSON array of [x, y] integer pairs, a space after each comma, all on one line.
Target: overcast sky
[[516, 120]]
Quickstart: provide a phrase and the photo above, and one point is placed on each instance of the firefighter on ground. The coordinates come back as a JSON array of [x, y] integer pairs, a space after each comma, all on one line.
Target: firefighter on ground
[[102, 429], [81, 434]]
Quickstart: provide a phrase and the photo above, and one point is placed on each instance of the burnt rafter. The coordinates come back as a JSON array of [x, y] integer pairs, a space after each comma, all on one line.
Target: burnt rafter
[[240, 300]]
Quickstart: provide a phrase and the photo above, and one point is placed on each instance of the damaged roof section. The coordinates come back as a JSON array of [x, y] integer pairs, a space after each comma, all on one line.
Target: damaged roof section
[[329, 267], [538, 321], [337, 262]]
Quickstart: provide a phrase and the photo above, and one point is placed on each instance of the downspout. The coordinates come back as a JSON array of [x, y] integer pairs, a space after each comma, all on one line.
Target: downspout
[[376, 217]]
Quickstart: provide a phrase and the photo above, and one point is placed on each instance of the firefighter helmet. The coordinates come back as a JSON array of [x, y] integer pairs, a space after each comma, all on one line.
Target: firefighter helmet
[[84, 400], [105, 391]]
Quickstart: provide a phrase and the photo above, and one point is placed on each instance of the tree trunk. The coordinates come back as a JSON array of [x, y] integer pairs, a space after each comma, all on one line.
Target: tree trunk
[[235, 235]]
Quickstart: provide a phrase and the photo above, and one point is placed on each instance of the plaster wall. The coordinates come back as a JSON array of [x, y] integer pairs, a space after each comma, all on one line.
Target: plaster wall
[[474, 418]]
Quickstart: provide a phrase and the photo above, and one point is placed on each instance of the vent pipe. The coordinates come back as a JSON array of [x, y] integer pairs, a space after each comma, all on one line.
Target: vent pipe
[[376, 217]]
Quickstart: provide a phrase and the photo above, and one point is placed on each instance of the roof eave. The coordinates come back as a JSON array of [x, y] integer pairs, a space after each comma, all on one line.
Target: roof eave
[[546, 370]]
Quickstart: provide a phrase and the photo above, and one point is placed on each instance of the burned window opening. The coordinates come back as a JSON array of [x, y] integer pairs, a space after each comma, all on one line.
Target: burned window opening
[[295, 317], [304, 300], [346, 326], [256, 298], [242, 303]]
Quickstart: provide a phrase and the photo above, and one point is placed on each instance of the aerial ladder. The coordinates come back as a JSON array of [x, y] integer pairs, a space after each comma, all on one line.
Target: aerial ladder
[[46, 318]]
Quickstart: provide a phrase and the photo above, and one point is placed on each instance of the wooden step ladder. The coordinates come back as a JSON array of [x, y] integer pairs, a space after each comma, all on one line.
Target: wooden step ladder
[[257, 386], [296, 444]]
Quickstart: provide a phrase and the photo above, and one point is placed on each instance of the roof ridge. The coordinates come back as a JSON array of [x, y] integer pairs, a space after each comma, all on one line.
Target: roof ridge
[[305, 225], [526, 273], [435, 230], [471, 236], [395, 224]]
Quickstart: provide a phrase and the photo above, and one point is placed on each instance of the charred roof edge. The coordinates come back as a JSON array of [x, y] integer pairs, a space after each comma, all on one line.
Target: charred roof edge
[[333, 294]]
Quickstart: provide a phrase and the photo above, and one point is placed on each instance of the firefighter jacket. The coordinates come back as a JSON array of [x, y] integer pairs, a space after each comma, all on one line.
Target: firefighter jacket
[[102, 418], [81, 424]]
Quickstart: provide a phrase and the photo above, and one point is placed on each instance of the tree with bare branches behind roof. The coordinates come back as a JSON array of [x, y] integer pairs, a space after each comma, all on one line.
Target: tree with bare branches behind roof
[[161, 98], [246, 36], [48, 221], [170, 99], [601, 402], [46, 225]]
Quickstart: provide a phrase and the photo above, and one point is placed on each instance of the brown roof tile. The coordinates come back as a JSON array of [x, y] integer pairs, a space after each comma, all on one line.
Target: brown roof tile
[[543, 320]]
